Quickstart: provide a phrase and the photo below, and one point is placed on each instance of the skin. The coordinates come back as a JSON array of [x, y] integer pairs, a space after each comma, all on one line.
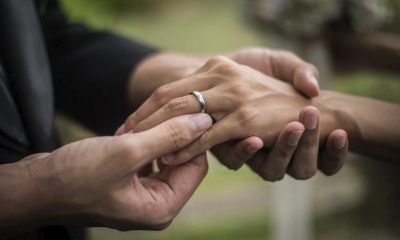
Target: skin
[[108, 181], [236, 98], [233, 152], [96, 182], [281, 65]]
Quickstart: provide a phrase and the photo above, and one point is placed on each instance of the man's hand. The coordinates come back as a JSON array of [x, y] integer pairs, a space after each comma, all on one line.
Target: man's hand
[[245, 104], [97, 181]]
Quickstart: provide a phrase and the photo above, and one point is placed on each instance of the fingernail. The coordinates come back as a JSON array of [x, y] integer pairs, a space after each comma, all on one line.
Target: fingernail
[[167, 159], [201, 122], [339, 142], [252, 149], [313, 80], [294, 138], [310, 119]]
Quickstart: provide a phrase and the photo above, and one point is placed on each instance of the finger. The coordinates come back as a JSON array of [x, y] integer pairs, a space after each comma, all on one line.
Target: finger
[[170, 136], [277, 160], [305, 158], [165, 94], [212, 63], [334, 156], [234, 154], [160, 165], [176, 107], [220, 132], [306, 82], [120, 131], [290, 68], [32, 158], [184, 179], [257, 160]]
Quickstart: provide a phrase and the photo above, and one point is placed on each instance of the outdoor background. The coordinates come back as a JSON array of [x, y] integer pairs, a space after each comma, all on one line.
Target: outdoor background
[[357, 203]]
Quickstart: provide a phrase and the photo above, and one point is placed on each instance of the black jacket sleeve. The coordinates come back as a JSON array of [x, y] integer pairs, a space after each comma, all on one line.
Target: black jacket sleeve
[[90, 70]]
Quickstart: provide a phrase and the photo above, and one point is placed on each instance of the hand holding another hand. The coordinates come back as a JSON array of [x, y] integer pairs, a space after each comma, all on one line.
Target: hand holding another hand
[[101, 181], [249, 108]]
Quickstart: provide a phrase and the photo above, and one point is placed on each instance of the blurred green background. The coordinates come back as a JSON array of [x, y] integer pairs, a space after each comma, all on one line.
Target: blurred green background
[[228, 204]]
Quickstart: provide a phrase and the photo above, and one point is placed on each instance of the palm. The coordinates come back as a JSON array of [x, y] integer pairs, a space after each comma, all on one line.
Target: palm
[[170, 186]]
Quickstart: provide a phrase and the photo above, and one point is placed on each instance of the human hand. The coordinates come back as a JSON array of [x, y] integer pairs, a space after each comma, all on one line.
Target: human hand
[[272, 164], [296, 151], [164, 67], [236, 97], [281, 65], [96, 182]]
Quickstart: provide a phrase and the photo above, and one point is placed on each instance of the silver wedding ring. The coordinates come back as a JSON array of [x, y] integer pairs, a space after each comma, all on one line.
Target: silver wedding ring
[[201, 100]]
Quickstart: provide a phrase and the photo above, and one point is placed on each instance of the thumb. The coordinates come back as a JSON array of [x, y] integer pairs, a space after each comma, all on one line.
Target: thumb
[[290, 68], [305, 80], [172, 135]]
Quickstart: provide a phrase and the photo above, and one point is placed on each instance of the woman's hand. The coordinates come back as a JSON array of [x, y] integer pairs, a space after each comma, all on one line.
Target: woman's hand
[[243, 102], [165, 67], [96, 182]]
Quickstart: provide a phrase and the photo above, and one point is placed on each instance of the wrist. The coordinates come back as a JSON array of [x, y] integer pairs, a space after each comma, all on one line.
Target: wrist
[[22, 206], [335, 114], [38, 187], [51, 188]]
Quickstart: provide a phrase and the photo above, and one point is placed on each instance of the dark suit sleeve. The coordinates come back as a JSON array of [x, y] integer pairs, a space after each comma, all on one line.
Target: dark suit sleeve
[[90, 71]]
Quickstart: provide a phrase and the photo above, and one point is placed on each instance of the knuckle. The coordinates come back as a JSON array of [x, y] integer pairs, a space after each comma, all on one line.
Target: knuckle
[[143, 125], [161, 93], [215, 60], [241, 89], [177, 134], [228, 69], [177, 104], [309, 142], [130, 121], [205, 138], [282, 153], [247, 112]]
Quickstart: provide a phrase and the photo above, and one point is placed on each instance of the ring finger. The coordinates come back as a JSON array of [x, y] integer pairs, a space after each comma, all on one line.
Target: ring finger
[[176, 107], [165, 94]]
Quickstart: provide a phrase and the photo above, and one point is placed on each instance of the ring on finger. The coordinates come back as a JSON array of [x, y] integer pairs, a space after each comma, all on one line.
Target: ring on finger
[[201, 101]]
